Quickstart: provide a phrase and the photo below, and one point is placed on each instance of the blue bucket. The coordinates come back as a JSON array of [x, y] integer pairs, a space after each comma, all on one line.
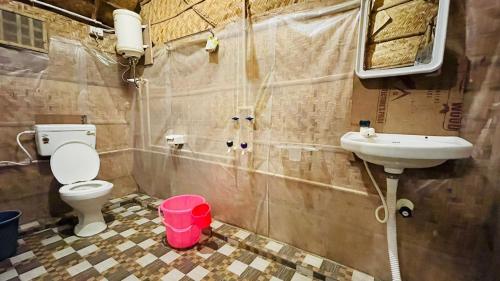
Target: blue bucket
[[9, 224]]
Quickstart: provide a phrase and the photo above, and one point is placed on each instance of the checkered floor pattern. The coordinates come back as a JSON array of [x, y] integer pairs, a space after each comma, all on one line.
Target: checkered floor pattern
[[133, 248]]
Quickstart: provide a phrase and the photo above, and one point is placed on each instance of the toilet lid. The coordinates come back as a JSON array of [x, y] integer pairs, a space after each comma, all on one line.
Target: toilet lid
[[74, 162]]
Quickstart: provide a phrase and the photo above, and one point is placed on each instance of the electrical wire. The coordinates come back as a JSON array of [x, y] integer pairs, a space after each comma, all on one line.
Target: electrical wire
[[25, 162], [103, 56], [123, 74], [384, 204], [10, 163], [18, 139], [106, 59]]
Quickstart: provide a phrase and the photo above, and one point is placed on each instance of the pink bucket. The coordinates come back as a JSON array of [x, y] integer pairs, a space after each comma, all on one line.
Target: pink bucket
[[201, 215], [176, 211], [182, 238]]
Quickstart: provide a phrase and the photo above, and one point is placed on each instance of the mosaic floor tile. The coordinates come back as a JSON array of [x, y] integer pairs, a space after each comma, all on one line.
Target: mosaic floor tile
[[242, 234], [299, 277], [169, 257], [360, 276], [198, 273], [273, 246], [33, 273], [251, 274], [237, 267], [78, 268], [313, 260], [21, 257], [226, 250], [260, 264], [29, 225], [146, 259], [133, 248], [173, 275]]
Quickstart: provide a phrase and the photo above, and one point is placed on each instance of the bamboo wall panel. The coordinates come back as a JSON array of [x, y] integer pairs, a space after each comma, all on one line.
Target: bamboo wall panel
[[172, 19], [405, 21], [398, 30]]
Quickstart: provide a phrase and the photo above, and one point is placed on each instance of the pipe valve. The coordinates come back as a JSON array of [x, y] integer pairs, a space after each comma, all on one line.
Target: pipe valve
[[405, 208]]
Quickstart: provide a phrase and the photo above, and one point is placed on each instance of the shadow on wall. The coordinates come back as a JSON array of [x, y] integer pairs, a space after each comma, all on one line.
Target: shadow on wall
[[492, 227], [33, 190], [57, 207]]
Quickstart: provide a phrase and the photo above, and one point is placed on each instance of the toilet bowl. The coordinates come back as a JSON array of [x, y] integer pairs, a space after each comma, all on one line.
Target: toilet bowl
[[76, 164], [87, 198]]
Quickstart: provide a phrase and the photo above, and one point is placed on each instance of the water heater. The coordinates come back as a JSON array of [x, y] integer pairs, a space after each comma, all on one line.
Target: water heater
[[128, 30]]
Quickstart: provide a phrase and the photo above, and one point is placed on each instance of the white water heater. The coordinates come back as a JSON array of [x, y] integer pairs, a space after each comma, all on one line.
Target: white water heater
[[128, 30]]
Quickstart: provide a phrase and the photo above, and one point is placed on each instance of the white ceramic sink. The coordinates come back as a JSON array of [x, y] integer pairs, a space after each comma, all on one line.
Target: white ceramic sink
[[396, 152]]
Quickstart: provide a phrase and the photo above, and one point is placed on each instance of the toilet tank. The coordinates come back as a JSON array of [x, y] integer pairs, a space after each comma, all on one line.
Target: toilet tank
[[49, 137]]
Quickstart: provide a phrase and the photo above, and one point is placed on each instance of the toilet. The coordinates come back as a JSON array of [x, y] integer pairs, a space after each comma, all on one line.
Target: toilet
[[75, 164]]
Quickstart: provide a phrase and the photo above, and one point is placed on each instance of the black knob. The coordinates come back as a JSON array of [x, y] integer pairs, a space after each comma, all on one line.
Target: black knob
[[235, 118], [249, 118], [364, 123], [405, 212], [244, 145], [229, 143]]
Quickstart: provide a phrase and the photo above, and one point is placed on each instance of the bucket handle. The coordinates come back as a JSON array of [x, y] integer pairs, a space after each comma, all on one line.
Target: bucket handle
[[160, 213]]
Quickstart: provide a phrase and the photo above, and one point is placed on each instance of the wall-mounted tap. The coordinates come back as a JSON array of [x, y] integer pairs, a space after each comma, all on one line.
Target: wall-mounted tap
[[244, 147], [365, 130], [229, 145]]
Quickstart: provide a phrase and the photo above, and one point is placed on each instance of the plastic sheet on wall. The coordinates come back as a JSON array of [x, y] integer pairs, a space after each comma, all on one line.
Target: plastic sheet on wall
[[293, 73], [65, 75], [72, 79]]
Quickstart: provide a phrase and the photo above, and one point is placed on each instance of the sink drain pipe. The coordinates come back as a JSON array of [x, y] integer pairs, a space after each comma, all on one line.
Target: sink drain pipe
[[389, 219], [392, 241]]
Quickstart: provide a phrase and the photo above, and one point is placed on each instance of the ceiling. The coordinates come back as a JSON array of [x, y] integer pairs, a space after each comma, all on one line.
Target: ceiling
[[101, 10]]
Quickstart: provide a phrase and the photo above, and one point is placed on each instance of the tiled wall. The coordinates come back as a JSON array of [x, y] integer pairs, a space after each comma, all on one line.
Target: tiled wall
[[71, 81], [298, 79]]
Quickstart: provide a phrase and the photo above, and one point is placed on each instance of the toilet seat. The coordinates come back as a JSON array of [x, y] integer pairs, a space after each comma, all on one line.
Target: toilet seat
[[73, 162], [86, 190]]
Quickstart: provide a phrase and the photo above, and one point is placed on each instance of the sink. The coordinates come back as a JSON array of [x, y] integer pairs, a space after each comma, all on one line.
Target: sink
[[396, 152]]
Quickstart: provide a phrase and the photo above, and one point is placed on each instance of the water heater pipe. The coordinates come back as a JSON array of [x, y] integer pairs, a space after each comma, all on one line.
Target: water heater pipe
[[69, 13]]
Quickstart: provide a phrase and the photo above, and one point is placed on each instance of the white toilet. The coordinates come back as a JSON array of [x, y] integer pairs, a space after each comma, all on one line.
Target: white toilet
[[75, 163]]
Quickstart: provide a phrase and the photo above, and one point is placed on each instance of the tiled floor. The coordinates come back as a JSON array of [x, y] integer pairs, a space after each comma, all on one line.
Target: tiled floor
[[133, 248]]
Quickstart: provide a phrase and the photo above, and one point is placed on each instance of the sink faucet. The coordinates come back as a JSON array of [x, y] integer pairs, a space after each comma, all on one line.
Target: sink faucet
[[365, 130]]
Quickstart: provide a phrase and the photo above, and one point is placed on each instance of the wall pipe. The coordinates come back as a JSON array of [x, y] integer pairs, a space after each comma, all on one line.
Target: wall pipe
[[315, 183], [70, 13]]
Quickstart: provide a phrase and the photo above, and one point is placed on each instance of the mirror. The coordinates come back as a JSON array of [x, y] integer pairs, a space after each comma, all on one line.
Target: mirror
[[401, 37]]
